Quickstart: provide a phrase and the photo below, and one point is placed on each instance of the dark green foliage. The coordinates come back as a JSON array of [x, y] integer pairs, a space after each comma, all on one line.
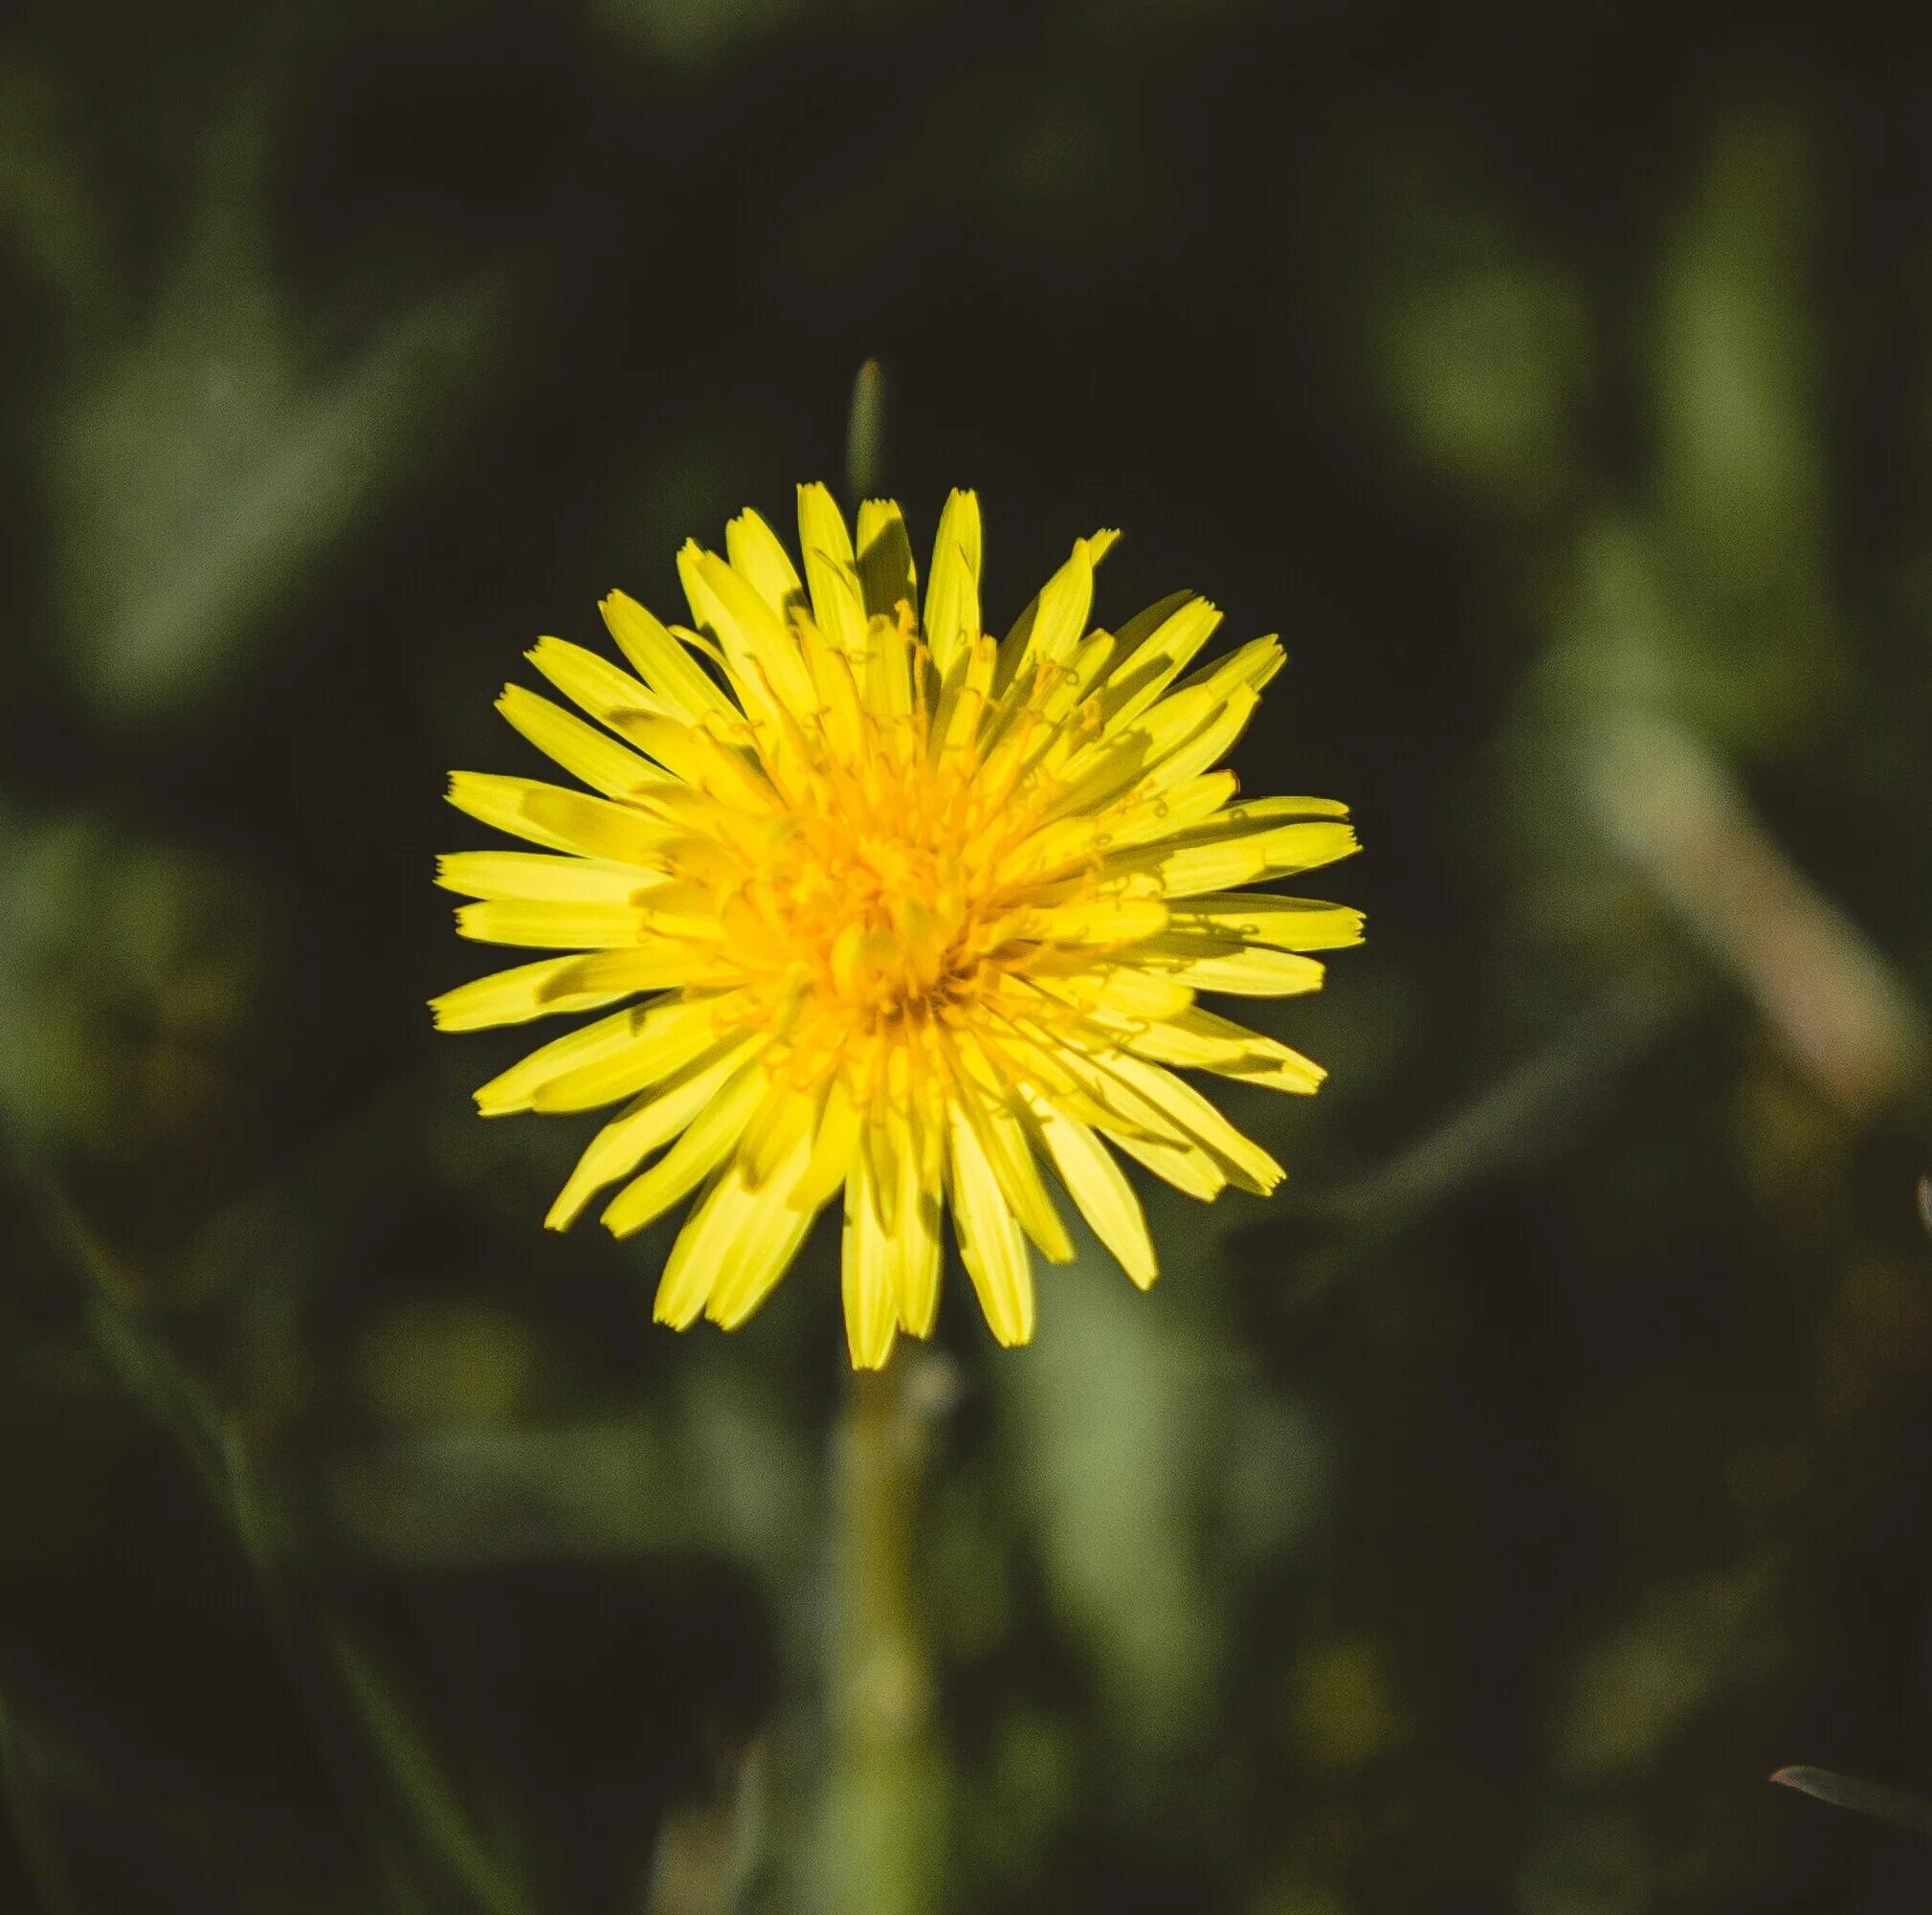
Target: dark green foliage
[[1474, 1527]]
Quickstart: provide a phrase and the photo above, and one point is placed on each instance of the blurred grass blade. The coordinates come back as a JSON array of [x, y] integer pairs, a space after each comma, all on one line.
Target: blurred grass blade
[[414, 1770], [304, 1636], [32, 1829], [865, 434], [1670, 804], [1864, 1799]]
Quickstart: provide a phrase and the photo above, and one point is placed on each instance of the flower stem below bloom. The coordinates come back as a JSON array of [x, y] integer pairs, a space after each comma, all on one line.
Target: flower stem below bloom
[[882, 1810]]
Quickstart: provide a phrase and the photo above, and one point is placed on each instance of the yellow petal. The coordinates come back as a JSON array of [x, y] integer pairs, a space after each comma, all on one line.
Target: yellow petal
[[1255, 972], [761, 651], [498, 802], [915, 1262], [991, 1242], [1104, 923], [1099, 1187], [662, 660], [644, 964], [533, 875], [696, 754], [1261, 918], [597, 826], [1056, 622], [837, 599], [1211, 862], [904, 1163], [886, 678], [761, 560], [1244, 1160], [735, 1246], [751, 1234], [1176, 722], [1008, 1150], [1207, 746], [565, 820], [833, 1152], [1246, 667], [704, 1144], [952, 599], [1199, 1040], [1155, 648], [1124, 990], [512, 1089], [581, 749], [594, 684], [781, 1128], [669, 1034], [647, 1125], [512, 997], [1189, 1168], [551, 924], [886, 574], [866, 1275], [1162, 813], [962, 705]]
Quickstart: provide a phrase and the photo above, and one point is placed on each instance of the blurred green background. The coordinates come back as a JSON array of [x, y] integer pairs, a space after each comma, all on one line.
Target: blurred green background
[[1471, 1529]]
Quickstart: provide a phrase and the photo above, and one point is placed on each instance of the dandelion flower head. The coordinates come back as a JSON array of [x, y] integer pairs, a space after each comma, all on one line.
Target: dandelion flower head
[[891, 911]]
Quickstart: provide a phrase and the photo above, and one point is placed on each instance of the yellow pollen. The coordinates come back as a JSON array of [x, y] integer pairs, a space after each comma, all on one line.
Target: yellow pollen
[[884, 890]]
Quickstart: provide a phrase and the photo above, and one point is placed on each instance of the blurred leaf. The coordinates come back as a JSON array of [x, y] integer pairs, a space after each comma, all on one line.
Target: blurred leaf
[[50, 216], [1346, 1708], [1481, 349], [747, 1461], [478, 1495], [455, 1361], [1105, 1430], [1485, 366], [1740, 464], [129, 974], [1648, 1677], [1865, 1798], [204, 465], [1273, 1476]]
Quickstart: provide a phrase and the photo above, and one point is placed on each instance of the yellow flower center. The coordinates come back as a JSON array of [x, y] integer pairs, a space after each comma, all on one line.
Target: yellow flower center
[[888, 889], [885, 908]]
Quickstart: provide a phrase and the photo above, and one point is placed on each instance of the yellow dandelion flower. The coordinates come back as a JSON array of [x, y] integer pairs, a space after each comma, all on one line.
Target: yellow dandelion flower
[[908, 912]]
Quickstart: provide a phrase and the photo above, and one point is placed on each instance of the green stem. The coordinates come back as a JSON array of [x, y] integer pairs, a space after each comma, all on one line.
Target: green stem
[[881, 1827]]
